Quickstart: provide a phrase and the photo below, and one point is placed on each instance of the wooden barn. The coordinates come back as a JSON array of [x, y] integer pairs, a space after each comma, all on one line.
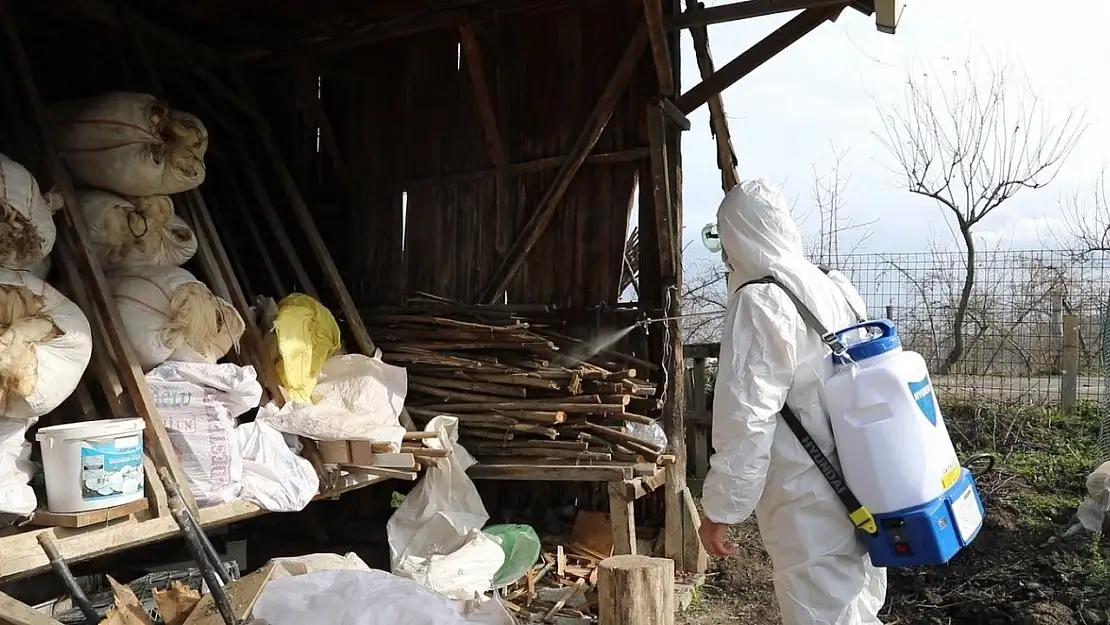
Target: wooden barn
[[468, 165]]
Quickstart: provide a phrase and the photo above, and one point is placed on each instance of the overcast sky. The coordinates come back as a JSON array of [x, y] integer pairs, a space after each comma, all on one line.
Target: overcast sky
[[823, 90]]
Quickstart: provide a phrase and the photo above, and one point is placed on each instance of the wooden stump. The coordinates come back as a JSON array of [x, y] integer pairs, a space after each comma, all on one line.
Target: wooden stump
[[636, 590]]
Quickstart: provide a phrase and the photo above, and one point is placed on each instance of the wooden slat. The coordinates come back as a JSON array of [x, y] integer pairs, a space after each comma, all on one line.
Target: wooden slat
[[74, 232], [588, 138], [480, 86], [16, 612]]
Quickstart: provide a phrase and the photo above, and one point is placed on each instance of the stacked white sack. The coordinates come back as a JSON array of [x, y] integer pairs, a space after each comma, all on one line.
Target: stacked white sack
[[129, 143], [45, 346], [136, 232], [170, 315], [27, 230]]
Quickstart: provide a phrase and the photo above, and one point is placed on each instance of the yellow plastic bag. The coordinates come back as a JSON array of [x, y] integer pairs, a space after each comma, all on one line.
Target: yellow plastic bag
[[305, 335]]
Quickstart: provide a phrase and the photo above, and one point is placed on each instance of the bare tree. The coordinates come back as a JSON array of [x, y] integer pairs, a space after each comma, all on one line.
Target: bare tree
[[829, 201], [704, 299], [1087, 221], [970, 144]]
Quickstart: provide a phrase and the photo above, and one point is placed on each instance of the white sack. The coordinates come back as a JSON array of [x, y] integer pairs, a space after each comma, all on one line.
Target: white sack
[[274, 478], [136, 232], [16, 469], [361, 400], [45, 346], [438, 519], [365, 598], [170, 315], [198, 404], [27, 229], [316, 562], [130, 143]]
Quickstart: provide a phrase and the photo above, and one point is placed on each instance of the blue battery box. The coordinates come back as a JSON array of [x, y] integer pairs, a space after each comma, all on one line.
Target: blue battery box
[[929, 534]]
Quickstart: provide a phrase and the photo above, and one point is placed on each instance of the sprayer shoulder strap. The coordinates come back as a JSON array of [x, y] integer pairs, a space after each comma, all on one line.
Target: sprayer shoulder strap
[[860, 317], [858, 513]]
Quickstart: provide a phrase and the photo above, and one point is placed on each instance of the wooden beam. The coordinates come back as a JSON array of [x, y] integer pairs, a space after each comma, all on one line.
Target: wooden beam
[[622, 519], [74, 232], [755, 56], [660, 53], [480, 86], [699, 15], [527, 167], [675, 116], [718, 121], [16, 612], [589, 137]]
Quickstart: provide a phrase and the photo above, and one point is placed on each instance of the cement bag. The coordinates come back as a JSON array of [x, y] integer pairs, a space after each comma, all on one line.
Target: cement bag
[[27, 230], [360, 399], [16, 469], [136, 232], [170, 315], [198, 404], [305, 335], [130, 143], [45, 346], [435, 535], [274, 478]]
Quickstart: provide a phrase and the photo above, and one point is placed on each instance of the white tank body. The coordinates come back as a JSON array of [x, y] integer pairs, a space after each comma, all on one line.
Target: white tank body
[[891, 439]]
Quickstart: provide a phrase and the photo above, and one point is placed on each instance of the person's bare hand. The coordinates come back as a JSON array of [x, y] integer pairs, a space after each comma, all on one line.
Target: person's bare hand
[[713, 538]]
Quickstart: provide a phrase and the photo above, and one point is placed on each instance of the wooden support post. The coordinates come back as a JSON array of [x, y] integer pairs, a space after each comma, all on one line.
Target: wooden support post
[[543, 216], [622, 518], [1069, 380], [475, 63], [73, 232], [700, 16], [756, 55], [718, 121], [635, 590], [698, 431], [660, 54]]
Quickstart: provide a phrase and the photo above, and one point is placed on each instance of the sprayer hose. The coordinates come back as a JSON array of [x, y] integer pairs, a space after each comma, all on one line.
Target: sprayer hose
[[987, 460]]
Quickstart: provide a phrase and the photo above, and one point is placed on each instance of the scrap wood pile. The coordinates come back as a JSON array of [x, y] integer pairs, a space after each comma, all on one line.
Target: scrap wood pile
[[521, 391]]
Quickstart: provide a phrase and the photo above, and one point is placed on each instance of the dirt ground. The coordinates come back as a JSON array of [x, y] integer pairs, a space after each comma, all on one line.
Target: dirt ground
[[1020, 569]]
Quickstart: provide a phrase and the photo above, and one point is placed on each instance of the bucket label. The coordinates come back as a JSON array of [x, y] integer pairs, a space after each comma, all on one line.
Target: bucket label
[[111, 468], [923, 394]]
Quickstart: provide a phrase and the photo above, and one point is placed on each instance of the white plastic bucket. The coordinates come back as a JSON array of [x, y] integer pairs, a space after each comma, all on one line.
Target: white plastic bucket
[[92, 465]]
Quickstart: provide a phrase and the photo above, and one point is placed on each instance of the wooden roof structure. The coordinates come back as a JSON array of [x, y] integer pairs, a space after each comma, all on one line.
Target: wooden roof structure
[[485, 151]]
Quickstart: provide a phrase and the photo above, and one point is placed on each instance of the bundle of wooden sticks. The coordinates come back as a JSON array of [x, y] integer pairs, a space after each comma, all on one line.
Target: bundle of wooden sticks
[[521, 391]]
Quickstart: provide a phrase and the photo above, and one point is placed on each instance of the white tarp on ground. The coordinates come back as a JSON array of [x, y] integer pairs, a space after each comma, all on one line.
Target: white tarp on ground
[[366, 597]]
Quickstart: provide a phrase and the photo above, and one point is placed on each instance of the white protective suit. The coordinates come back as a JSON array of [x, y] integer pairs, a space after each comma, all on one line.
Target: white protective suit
[[768, 356]]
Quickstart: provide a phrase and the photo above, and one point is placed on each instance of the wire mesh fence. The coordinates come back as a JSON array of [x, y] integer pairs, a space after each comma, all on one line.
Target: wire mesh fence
[[1031, 328]]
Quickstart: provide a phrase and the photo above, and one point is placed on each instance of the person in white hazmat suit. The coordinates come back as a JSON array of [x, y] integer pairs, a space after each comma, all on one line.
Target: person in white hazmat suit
[[769, 357]]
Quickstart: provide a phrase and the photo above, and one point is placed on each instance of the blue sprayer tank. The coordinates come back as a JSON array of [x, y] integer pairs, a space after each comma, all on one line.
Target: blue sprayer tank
[[895, 452]]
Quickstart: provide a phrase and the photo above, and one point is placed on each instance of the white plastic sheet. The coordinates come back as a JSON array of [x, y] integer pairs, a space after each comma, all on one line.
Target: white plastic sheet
[[274, 477], [352, 597], [361, 399], [434, 536], [198, 404]]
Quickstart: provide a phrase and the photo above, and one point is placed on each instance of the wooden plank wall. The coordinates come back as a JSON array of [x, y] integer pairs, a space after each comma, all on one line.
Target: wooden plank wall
[[409, 115]]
